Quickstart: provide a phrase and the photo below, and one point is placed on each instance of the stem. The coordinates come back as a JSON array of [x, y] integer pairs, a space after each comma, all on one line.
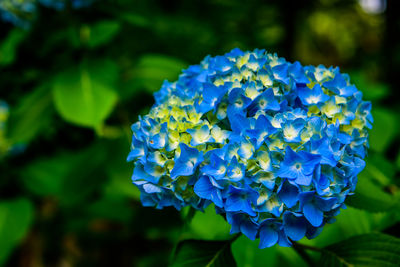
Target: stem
[[189, 216], [301, 250], [308, 247], [233, 239]]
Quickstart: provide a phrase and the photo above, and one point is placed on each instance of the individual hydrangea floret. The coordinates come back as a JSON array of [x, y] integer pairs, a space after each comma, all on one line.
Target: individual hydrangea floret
[[275, 146]]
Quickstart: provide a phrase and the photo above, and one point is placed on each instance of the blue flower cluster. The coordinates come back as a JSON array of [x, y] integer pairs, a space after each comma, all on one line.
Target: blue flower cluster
[[275, 146], [22, 12]]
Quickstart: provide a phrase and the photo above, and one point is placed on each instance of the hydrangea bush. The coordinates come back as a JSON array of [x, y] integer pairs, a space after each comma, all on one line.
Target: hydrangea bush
[[22, 12], [276, 146], [18, 12]]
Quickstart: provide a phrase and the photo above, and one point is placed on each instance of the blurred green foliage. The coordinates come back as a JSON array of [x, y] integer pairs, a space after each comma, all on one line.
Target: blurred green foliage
[[77, 79]]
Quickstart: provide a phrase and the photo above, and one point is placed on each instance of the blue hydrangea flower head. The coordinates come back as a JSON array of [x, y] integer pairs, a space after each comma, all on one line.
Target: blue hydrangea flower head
[[275, 146]]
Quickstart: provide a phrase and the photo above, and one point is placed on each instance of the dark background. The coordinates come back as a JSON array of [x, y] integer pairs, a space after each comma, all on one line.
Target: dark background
[[75, 81]]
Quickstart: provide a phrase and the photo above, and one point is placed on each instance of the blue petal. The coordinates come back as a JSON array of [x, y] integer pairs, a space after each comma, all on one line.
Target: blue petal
[[238, 122], [216, 168], [294, 225], [289, 194], [283, 240], [187, 162], [221, 64], [148, 200], [151, 188], [297, 73], [204, 188], [265, 101], [157, 141], [303, 179], [237, 203], [140, 174], [182, 168], [138, 150], [239, 200], [281, 73], [249, 229], [325, 204], [268, 237], [313, 214]]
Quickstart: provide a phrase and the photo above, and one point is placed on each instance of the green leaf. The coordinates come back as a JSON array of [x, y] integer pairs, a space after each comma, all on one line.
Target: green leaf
[[380, 169], [135, 19], [247, 253], [10, 45], [46, 176], [99, 33], [364, 250], [371, 197], [287, 256], [198, 253], [384, 129], [202, 223], [16, 217], [69, 178], [31, 116], [371, 89], [119, 172], [112, 209], [85, 95], [151, 70], [120, 185]]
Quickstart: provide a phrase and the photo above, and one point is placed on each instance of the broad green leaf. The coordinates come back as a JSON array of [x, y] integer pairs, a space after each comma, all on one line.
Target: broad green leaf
[[209, 225], [85, 95], [111, 209], [31, 116], [151, 70], [385, 128], [379, 169], [372, 90], [287, 256], [119, 172], [68, 178], [120, 185], [247, 253], [10, 45], [371, 197], [135, 19], [198, 253], [373, 249], [16, 217], [45, 177], [398, 161], [99, 33], [351, 222]]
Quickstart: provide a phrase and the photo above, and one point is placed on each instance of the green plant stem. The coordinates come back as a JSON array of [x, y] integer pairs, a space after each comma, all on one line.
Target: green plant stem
[[189, 216], [301, 250], [233, 239], [309, 247]]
